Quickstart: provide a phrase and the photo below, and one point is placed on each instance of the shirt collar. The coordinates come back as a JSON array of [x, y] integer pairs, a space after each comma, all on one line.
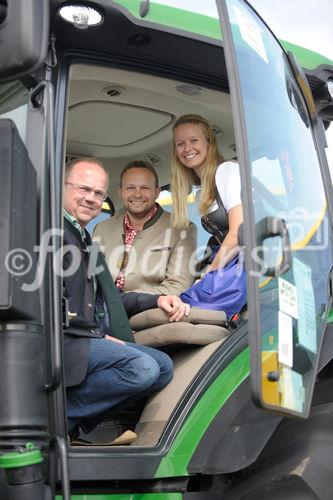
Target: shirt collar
[[127, 222]]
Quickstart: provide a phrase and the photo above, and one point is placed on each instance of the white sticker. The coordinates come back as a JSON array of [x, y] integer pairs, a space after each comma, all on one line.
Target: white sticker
[[307, 329], [251, 33], [285, 349], [288, 298]]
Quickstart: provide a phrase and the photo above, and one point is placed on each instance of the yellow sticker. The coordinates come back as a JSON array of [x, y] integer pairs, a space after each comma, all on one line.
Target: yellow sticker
[[292, 389]]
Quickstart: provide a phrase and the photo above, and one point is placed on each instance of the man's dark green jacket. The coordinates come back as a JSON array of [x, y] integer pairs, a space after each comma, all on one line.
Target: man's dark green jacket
[[85, 273]]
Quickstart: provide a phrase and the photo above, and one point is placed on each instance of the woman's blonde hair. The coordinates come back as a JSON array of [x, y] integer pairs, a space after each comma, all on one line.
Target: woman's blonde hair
[[183, 178]]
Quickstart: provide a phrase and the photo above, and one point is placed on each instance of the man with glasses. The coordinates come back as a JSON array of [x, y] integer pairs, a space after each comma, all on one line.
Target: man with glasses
[[103, 368]]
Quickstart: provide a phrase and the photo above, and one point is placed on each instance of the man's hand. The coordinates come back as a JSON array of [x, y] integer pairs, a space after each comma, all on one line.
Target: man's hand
[[114, 339], [175, 308]]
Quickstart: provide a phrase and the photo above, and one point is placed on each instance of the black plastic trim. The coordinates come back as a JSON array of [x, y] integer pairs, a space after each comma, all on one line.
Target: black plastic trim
[[76, 56], [109, 5]]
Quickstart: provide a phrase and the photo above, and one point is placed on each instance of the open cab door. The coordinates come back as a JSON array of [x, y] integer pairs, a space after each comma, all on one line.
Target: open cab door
[[287, 230]]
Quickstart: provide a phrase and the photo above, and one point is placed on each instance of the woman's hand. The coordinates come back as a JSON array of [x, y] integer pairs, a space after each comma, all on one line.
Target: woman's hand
[[114, 339]]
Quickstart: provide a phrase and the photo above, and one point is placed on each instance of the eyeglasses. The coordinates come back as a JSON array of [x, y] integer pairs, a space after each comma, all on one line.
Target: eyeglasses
[[86, 191]]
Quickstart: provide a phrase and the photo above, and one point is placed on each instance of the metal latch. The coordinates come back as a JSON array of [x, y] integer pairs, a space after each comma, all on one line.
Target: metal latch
[[67, 316]]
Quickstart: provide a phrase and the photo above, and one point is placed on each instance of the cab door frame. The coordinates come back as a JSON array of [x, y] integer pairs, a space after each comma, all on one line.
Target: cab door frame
[[250, 227]]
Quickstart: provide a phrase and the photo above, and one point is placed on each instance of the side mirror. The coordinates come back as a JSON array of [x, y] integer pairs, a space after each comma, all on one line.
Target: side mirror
[[24, 33]]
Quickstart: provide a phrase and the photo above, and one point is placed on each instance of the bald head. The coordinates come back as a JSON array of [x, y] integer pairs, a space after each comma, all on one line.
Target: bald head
[[86, 183]]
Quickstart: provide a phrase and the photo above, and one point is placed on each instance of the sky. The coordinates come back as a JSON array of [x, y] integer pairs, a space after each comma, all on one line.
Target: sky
[[304, 22]]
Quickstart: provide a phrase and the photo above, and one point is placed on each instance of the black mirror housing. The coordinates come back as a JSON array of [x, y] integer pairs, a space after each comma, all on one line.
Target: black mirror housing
[[24, 33]]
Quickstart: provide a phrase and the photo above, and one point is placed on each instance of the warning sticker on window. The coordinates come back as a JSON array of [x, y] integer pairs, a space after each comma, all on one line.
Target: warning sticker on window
[[288, 298], [251, 33]]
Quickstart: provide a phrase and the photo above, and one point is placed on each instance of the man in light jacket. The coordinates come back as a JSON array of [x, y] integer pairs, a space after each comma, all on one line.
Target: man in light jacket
[[143, 251]]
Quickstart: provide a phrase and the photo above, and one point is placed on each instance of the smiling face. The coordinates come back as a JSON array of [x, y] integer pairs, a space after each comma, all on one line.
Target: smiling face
[[191, 146], [138, 192], [84, 206]]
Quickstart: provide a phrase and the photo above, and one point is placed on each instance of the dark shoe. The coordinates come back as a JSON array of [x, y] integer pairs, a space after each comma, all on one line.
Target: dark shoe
[[74, 432], [77, 441], [126, 438]]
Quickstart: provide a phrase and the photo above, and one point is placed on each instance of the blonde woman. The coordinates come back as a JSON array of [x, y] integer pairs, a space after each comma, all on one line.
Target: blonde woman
[[196, 161]]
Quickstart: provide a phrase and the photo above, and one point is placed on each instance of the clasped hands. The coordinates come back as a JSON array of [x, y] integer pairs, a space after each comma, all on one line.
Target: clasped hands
[[173, 306]]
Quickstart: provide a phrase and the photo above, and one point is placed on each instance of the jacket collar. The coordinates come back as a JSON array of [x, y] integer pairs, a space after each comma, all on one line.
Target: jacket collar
[[159, 212], [69, 217], [77, 229]]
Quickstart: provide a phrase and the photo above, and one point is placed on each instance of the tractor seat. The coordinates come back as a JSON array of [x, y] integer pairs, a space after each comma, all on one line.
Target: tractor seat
[[201, 327]]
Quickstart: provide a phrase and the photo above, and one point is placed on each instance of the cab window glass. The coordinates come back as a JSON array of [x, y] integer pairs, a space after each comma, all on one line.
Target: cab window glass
[[286, 183], [165, 200]]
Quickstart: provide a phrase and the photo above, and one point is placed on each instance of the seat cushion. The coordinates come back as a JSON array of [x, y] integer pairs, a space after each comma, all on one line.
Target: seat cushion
[[155, 317], [180, 333]]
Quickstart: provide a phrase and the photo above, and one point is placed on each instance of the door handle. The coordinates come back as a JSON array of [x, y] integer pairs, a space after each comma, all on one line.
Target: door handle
[[268, 228]]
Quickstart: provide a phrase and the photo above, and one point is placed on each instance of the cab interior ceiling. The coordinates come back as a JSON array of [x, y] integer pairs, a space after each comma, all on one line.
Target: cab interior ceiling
[[118, 116]]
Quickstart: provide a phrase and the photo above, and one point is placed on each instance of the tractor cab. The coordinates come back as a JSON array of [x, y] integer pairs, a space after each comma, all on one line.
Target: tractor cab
[[108, 80]]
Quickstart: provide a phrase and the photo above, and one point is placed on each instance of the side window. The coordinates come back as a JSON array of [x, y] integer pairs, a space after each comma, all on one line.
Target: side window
[[14, 105], [165, 200], [106, 212]]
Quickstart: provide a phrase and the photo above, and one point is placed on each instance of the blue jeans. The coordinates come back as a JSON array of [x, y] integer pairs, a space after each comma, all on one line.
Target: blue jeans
[[116, 373]]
